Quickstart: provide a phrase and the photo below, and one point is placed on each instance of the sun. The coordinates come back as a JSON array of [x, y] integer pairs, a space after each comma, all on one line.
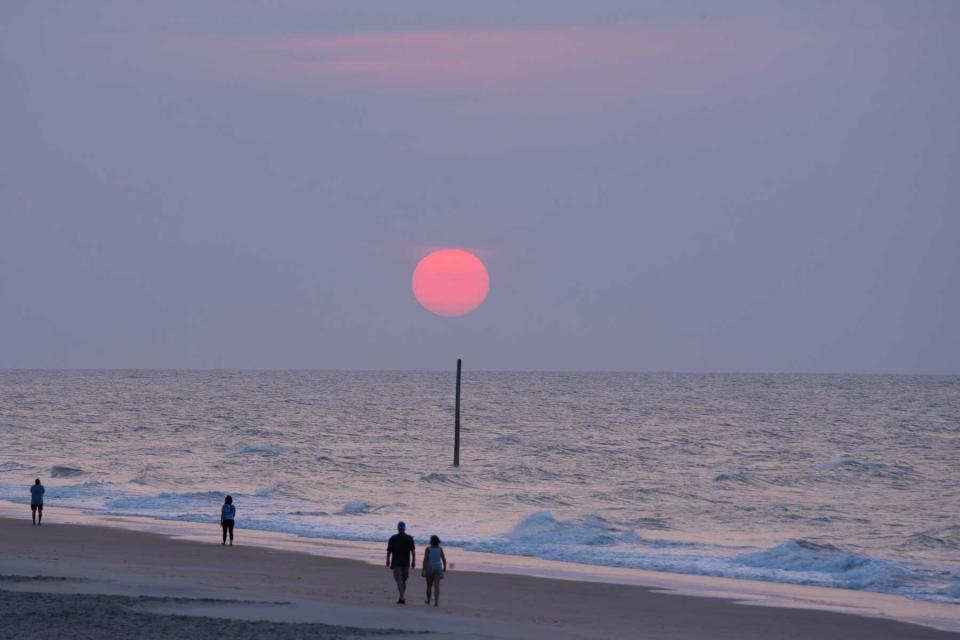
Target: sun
[[450, 282]]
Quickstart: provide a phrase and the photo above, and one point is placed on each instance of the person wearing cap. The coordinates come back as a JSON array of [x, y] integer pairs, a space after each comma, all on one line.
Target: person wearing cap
[[401, 557]]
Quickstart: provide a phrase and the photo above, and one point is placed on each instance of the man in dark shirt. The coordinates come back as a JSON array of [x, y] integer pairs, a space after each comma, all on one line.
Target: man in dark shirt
[[401, 557], [36, 502]]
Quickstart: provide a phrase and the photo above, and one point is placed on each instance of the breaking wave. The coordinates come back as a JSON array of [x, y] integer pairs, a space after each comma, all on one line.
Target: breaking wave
[[953, 591], [166, 503], [596, 540], [58, 471], [358, 507], [542, 527], [804, 562]]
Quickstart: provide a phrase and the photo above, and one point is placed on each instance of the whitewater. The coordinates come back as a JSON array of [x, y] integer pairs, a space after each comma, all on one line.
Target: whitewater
[[835, 480]]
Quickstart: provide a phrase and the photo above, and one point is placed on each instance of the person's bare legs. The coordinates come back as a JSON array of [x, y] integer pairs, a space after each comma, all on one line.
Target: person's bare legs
[[39, 515], [429, 586], [436, 591], [33, 514]]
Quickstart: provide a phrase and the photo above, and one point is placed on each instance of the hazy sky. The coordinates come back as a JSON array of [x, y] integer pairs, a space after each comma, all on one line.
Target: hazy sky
[[688, 186]]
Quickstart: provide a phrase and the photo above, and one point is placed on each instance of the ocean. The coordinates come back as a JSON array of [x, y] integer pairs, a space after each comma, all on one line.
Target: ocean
[[849, 481]]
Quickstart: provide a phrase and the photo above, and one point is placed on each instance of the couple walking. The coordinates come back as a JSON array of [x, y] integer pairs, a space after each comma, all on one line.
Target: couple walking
[[402, 556]]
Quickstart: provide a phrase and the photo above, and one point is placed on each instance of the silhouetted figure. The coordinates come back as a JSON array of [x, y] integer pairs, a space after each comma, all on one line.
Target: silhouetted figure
[[401, 557], [36, 502], [228, 515], [434, 566]]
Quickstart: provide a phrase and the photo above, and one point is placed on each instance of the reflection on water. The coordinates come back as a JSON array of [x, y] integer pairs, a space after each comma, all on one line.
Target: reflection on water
[[845, 481]]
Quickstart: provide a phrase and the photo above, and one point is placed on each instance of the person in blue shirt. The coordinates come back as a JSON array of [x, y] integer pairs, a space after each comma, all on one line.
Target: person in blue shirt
[[36, 502], [228, 515]]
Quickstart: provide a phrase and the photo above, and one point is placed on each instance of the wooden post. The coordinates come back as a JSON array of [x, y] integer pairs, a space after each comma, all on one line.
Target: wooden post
[[456, 422]]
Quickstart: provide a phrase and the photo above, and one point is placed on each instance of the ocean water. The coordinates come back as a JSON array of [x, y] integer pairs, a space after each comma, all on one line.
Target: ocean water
[[836, 480]]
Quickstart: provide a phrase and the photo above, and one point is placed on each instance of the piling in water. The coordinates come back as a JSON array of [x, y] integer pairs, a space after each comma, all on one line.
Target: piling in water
[[456, 422]]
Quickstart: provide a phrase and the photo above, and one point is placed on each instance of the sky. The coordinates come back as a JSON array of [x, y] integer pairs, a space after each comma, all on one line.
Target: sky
[[653, 186]]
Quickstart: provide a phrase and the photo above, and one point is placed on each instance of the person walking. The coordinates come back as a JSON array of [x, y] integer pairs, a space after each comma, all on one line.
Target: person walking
[[36, 502], [434, 566], [228, 516], [401, 557]]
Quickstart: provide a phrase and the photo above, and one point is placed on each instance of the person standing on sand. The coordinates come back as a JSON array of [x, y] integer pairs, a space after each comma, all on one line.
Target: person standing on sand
[[434, 566], [36, 502], [401, 557], [228, 514]]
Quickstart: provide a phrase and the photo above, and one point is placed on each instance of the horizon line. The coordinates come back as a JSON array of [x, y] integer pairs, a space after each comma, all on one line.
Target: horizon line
[[481, 370]]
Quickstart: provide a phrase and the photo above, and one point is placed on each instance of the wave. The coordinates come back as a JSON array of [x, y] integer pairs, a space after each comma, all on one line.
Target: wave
[[847, 464], [280, 489], [443, 478], [58, 471], [147, 475], [941, 538], [801, 561], [358, 507], [525, 473], [167, 502], [11, 465], [85, 495], [262, 449], [953, 591], [650, 522], [739, 476], [542, 527], [596, 540], [347, 463], [591, 539], [541, 500]]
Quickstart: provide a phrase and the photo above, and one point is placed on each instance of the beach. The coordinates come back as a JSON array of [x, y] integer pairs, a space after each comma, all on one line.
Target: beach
[[99, 581], [639, 310]]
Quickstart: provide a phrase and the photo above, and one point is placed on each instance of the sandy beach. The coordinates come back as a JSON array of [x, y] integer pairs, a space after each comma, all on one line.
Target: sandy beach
[[70, 581]]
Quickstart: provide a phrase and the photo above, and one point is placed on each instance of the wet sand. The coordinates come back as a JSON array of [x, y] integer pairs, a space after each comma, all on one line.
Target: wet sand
[[104, 582]]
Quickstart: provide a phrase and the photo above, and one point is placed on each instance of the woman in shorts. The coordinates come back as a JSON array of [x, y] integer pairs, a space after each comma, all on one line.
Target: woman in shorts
[[434, 565]]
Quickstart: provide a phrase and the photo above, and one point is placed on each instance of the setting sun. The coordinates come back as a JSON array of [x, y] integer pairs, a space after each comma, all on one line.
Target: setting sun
[[450, 282]]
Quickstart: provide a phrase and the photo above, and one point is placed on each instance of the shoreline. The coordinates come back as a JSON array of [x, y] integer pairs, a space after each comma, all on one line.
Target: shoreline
[[471, 570]]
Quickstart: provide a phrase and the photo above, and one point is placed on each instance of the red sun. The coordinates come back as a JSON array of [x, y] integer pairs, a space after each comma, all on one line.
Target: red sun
[[450, 282]]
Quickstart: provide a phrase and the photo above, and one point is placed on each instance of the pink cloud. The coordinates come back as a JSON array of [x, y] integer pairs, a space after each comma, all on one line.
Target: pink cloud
[[575, 66], [461, 58]]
